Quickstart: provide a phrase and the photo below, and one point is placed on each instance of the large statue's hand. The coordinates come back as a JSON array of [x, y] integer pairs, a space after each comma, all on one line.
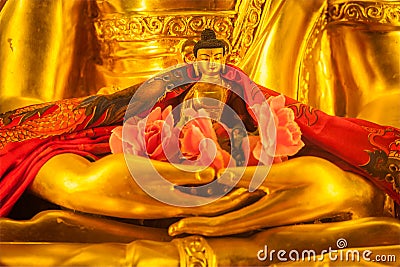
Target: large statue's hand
[[106, 187], [299, 190]]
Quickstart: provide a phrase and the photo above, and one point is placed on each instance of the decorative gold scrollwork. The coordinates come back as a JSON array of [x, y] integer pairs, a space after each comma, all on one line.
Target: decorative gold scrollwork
[[248, 28], [153, 25], [136, 27], [360, 11], [307, 61], [197, 24]]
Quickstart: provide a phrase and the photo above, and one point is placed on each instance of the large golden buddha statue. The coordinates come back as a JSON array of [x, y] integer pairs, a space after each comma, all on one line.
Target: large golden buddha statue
[[308, 50]]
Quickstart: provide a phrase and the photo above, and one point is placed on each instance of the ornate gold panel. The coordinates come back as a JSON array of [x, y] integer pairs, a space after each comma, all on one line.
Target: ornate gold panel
[[365, 11], [139, 44]]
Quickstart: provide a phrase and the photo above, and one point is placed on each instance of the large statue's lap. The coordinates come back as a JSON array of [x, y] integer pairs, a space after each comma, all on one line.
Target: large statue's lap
[[300, 189]]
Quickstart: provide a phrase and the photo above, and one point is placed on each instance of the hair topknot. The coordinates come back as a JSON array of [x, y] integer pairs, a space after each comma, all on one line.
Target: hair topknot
[[208, 40], [208, 34]]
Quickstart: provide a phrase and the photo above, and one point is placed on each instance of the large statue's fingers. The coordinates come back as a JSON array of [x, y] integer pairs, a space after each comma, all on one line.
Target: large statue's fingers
[[271, 210], [176, 174], [235, 199]]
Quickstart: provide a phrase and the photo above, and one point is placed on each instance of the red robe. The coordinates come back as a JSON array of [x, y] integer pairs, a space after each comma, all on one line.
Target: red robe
[[32, 135]]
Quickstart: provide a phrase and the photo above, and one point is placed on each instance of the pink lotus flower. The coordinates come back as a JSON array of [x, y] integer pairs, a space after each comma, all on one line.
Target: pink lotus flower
[[157, 138], [146, 137], [196, 143], [288, 133], [116, 140], [199, 144]]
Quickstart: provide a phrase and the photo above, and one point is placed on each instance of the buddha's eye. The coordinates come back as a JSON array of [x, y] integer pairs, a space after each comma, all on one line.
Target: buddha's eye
[[205, 58]]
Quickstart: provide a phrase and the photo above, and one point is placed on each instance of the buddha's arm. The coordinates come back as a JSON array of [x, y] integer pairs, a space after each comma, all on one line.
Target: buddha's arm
[[39, 51], [365, 61], [274, 59]]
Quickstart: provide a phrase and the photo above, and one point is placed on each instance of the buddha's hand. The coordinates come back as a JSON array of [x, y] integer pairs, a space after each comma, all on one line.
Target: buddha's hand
[[107, 187], [182, 190], [299, 190]]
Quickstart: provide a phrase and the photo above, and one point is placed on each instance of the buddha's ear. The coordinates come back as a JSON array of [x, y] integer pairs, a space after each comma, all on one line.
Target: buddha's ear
[[196, 68], [225, 56], [223, 68], [226, 48]]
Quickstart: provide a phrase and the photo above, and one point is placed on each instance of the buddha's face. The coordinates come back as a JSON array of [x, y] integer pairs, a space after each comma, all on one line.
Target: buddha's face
[[210, 60]]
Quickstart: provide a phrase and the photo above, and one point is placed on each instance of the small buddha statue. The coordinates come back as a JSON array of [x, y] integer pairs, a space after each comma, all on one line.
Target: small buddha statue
[[211, 91]]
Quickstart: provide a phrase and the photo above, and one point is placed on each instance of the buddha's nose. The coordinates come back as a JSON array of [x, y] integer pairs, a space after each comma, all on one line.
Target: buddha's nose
[[212, 62]]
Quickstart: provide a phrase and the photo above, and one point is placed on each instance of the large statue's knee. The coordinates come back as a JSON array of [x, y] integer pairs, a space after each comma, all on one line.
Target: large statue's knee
[[318, 170], [327, 183]]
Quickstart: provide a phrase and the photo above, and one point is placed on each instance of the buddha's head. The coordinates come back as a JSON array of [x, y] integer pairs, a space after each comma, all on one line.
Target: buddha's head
[[210, 54]]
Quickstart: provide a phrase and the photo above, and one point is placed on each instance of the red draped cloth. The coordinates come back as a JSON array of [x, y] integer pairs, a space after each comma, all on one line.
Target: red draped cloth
[[30, 136]]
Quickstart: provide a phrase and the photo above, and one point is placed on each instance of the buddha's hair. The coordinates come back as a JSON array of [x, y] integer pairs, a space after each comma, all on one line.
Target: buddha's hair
[[208, 40]]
